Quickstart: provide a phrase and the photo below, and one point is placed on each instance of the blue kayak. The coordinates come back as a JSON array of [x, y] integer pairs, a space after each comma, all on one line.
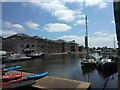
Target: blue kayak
[[37, 76], [12, 68]]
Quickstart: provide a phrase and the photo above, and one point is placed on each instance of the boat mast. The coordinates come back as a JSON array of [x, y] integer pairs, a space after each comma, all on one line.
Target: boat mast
[[114, 43], [86, 36]]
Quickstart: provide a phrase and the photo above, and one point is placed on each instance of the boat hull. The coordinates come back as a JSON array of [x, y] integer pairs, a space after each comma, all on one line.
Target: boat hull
[[37, 76], [18, 84]]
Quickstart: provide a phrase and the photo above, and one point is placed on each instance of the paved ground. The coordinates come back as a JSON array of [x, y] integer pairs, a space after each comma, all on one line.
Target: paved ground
[[51, 82]]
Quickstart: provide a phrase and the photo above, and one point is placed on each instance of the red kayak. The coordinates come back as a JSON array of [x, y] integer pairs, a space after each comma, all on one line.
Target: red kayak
[[11, 77], [13, 81]]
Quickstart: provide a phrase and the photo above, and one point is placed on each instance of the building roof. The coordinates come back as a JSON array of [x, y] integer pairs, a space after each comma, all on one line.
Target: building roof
[[19, 35], [37, 37]]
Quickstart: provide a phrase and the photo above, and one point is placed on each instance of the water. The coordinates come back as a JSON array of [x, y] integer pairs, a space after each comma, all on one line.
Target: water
[[69, 66]]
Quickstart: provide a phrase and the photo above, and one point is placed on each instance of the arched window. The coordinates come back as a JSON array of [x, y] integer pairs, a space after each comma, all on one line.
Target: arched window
[[27, 46]]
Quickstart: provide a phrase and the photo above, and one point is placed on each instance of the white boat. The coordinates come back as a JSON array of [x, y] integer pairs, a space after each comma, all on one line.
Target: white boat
[[35, 55], [106, 63], [88, 62], [3, 55], [15, 57]]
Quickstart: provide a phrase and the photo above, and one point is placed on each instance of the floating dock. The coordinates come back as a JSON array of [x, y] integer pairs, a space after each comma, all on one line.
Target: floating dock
[[51, 82]]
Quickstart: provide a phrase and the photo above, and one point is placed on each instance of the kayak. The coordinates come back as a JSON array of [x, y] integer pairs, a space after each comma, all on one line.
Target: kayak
[[14, 84], [12, 68], [11, 77], [13, 81], [37, 76]]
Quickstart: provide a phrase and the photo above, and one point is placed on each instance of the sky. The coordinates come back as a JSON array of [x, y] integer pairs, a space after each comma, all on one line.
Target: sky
[[61, 19]]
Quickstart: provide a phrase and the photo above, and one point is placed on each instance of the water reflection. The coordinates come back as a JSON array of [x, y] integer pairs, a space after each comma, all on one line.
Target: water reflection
[[87, 70], [107, 73], [119, 73]]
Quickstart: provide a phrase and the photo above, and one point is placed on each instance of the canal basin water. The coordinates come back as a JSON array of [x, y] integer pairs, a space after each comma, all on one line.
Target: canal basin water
[[69, 66]]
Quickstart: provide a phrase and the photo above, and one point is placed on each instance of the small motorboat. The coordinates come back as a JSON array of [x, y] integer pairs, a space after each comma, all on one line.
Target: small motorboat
[[37, 76]]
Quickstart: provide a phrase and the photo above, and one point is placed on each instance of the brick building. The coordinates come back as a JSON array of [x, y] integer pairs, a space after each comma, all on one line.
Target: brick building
[[22, 43]]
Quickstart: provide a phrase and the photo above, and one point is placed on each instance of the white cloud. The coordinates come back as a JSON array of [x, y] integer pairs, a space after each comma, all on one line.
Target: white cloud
[[57, 9], [48, 0], [32, 25], [57, 27], [78, 39], [112, 22], [101, 33], [66, 15], [6, 33], [80, 22], [94, 41], [15, 26], [107, 40], [100, 3]]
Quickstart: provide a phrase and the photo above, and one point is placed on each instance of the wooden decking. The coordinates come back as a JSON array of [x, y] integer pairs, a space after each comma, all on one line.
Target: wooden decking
[[51, 82]]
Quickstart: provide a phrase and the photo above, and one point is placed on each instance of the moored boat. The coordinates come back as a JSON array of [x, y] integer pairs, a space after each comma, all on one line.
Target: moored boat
[[35, 55], [16, 57], [106, 63], [89, 61]]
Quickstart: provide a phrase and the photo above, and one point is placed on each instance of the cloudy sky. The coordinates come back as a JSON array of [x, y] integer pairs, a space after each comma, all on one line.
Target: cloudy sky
[[61, 19]]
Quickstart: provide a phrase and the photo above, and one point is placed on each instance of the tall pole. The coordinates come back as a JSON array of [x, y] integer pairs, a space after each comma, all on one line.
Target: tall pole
[[114, 43], [86, 27], [86, 36]]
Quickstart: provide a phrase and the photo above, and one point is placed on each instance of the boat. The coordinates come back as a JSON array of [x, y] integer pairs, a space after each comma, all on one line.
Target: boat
[[22, 82], [88, 60], [4, 70], [35, 55], [16, 57], [12, 68], [13, 81], [106, 63], [37, 76], [9, 77], [3, 55]]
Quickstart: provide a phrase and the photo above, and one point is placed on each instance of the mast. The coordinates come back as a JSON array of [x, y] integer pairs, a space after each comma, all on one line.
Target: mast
[[114, 43], [86, 36]]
